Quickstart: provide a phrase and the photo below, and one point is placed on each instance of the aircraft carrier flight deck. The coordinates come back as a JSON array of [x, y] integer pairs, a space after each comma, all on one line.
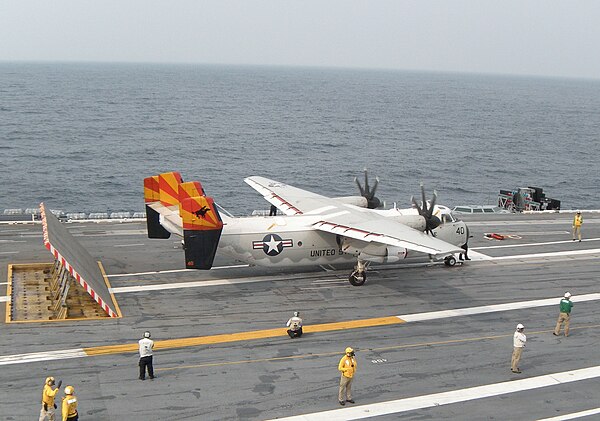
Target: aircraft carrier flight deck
[[432, 342]]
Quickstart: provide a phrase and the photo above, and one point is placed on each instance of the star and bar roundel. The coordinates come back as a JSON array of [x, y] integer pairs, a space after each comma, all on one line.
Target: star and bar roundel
[[272, 244]]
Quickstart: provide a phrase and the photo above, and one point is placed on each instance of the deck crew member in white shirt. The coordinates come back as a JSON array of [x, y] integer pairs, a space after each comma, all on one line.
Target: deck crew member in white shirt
[[519, 340], [146, 345], [294, 325]]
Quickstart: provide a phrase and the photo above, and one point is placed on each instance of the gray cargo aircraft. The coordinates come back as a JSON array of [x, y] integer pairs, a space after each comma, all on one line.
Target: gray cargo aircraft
[[313, 230]]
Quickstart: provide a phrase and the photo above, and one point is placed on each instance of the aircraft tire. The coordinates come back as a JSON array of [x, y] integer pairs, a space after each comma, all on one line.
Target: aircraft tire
[[450, 261], [357, 280]]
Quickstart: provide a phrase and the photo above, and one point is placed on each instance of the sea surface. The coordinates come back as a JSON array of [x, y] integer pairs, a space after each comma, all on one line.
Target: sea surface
[[81, 137]]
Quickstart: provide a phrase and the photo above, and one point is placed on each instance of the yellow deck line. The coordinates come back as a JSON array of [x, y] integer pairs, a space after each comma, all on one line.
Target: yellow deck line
[[112, 295], [242, 336], [9, 294]]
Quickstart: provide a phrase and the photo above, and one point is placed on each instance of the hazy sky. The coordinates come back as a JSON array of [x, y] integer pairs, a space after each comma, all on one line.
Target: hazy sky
[[541, 37]]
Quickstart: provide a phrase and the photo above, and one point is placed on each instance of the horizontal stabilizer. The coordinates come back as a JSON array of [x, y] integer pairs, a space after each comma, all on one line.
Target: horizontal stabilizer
[[155, 229]]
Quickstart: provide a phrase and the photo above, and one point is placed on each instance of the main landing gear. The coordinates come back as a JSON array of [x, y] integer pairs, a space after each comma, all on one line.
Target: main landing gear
[[450, 261], [359, 275]]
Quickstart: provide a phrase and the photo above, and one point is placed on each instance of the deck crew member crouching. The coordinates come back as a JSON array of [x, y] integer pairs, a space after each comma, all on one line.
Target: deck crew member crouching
[[295, 325]]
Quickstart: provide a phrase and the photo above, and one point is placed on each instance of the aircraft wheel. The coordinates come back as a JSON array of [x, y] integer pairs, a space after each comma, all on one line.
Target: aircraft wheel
[[450, 261], [357, 278]]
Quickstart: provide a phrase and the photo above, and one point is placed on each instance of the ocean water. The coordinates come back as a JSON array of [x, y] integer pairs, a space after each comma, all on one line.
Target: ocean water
[[82, 137]]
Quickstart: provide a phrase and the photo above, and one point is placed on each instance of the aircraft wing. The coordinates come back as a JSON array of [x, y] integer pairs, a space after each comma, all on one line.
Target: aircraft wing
[[288, 199], [374, 228], [347, 220]]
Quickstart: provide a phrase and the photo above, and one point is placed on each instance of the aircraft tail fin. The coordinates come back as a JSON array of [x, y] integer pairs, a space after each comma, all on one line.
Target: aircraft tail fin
[[168, 186], [201, 222], [202, 227], [151, 195]]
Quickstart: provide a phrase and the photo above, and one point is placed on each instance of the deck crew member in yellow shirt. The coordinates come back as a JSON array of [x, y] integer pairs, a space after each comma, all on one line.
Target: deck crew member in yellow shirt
[[347, 366], [48, 394], [577, 221], [69, 405]]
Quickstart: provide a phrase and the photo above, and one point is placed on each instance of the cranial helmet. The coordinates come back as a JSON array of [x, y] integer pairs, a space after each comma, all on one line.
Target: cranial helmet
[[49, 380], [146, 334], [296, 313], [520, 327], [349, 350], [69, 390], [567, 294]]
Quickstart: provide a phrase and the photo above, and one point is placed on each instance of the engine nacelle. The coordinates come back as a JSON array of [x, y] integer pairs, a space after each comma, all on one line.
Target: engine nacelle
[[359, 201], [391, 254], [376, 253]]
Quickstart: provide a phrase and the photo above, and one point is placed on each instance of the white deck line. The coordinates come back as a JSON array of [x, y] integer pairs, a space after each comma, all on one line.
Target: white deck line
[[573, 415], [469, 311], [42, 356], [179, 285], [549, 254], [446, 398], [530, 244], [4, 299], [159, 272]]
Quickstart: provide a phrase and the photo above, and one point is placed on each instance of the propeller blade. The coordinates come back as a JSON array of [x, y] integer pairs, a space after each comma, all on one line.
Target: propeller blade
[[416, 205], [432, 204], [374, 189], [423, 197], [362, 192]]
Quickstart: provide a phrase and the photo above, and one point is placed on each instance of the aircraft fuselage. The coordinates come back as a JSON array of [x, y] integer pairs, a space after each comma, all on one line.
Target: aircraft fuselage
[[291, 241]]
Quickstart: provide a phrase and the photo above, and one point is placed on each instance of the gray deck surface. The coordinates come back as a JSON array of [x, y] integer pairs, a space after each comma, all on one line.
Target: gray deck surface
[[249, 380]]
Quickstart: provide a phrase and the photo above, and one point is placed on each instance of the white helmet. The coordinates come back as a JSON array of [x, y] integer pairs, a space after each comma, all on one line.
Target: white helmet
[[146, 334], [567, 294], [296, 313], [520, 327]]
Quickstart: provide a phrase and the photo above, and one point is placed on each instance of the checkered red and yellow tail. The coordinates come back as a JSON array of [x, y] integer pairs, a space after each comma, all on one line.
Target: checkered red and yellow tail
[[201, 223]]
